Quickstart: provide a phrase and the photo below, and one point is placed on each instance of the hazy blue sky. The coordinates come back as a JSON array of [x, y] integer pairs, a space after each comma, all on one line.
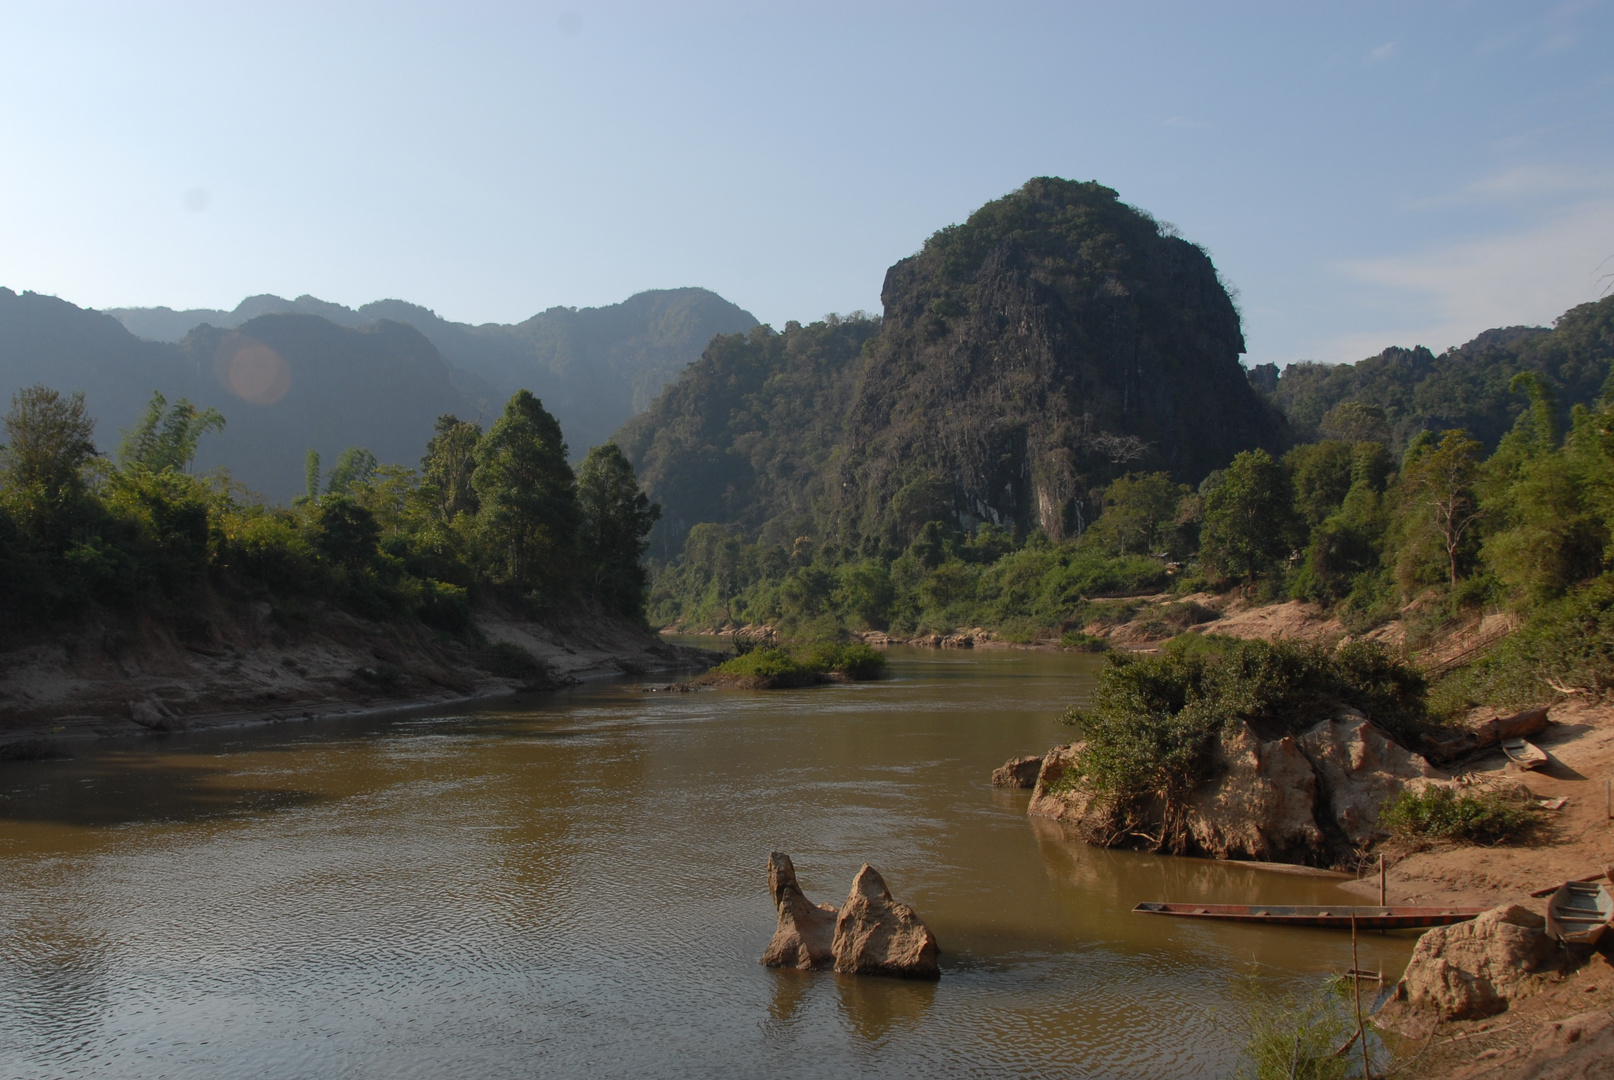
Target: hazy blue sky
[[1365, 174]]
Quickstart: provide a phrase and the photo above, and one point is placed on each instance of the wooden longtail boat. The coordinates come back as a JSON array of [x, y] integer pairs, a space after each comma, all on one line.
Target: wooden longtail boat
[[1579, 912], [1524, 753], [1337, 917]]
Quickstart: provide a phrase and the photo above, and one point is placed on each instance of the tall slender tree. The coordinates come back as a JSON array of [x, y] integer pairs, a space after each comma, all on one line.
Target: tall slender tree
[[616, 522], [528, 495]]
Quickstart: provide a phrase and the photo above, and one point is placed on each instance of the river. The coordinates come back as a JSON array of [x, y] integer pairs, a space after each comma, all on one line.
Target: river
[[575, 884]]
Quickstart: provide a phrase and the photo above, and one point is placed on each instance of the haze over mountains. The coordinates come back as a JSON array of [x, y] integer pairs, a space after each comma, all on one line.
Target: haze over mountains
[[293, 374], [1056, 340]]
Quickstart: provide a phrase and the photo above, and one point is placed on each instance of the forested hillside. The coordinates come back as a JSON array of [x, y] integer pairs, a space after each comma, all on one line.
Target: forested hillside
[[595, 367], [1465, 387], [751, 431]]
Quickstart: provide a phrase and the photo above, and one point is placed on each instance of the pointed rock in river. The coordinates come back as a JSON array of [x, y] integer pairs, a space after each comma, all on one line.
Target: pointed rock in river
[[876, 935], [806, 930]]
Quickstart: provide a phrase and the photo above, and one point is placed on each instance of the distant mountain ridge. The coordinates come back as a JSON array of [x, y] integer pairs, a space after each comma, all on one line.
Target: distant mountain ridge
[[289, 375], [284, 383], [592, 367]]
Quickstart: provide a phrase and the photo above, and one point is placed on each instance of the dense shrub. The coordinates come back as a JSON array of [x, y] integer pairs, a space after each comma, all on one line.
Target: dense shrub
[[1153, 722], [805, 663], [1479, 816]]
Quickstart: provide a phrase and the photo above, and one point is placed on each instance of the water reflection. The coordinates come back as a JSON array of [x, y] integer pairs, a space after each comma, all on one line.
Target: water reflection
[[576, 882], [876, 1007]]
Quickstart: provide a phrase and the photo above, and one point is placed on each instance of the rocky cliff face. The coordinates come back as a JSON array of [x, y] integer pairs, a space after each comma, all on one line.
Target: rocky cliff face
[[1056, 339]]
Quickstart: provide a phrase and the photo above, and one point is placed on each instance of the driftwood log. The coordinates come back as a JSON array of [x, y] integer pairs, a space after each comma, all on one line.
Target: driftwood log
[[1449, 747]]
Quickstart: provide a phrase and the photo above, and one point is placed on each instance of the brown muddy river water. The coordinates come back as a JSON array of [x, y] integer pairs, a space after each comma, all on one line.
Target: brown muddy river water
[[574, 884]]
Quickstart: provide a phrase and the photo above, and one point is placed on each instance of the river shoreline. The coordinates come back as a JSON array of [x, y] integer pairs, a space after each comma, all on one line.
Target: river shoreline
[[140, 678]]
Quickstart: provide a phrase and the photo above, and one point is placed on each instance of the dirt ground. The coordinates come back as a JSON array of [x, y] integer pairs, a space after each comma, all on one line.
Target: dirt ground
[[1575, 841], [1497, 1048]]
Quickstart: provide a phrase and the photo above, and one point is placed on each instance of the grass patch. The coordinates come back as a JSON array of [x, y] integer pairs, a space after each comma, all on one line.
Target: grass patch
[[856, 661], [1479, 816], [1296, 1038]]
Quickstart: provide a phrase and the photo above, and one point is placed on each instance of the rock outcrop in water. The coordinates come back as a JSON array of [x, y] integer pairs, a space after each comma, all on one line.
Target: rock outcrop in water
[[876, 935], [872, 934], [806, 930], [1310, 798], [1021, 772]]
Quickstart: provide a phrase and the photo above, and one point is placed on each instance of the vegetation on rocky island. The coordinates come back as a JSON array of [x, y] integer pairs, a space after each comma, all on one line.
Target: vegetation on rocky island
[[1152, 726], [777, 667], [495, 513]]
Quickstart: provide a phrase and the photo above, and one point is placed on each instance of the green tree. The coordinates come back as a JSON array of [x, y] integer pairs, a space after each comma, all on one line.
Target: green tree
[[1321, 474], [1438, 489], [865, 593], [529, 514], [447, 467], [616, 521], [1355, 421], [1249, 516], [48, 444], [166, 438], [345, 532], [1537, 498], [311, 472], [1140, 514], [353, 466]]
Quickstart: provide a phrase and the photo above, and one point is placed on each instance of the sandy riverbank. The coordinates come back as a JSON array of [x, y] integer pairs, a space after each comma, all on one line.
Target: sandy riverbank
[[252, 664]]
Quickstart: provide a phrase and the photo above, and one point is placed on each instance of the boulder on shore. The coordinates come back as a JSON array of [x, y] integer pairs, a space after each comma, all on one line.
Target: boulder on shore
[[1018, 772], [806, 931], [1360, 769], [876, 935], [1474, 969]]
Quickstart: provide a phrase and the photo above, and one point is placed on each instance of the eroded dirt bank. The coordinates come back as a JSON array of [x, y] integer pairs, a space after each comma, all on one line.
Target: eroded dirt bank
[[228, 664]]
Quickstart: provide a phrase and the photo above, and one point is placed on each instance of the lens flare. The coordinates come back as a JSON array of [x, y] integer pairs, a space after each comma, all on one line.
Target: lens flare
[[258, 373]]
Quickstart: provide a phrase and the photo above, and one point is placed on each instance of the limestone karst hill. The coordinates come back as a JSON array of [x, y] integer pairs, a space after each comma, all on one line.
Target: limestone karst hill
[[1027, 354], [1052, 342]]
